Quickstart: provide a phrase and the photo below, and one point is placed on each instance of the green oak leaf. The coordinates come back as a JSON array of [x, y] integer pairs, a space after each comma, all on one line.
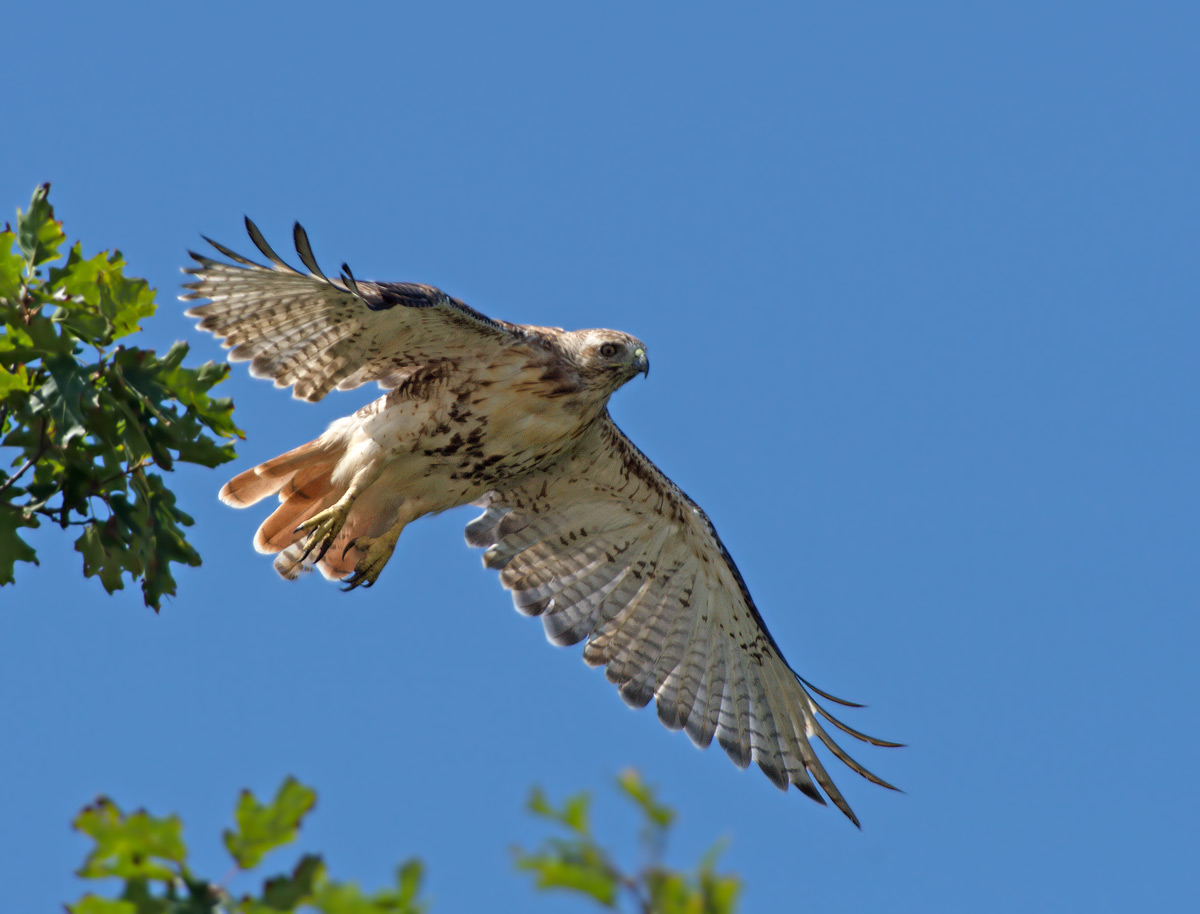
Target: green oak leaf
[[105, 554], [124, 301], [25, 341], [74, 283], [13, 549], [18, 379], [138, 846], [168, 544], [64, 398], [38, 234], [286, 893], [348, 898], [262, 828], [11, 267]]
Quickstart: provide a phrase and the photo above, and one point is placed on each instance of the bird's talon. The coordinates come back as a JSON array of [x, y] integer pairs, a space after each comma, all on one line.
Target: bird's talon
[[322, 529]]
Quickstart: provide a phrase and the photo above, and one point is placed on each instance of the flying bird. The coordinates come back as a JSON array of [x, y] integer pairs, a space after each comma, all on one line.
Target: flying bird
[[585, 530]]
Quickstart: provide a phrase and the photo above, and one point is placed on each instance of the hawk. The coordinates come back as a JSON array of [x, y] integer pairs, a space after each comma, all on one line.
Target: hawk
[[585, 530]]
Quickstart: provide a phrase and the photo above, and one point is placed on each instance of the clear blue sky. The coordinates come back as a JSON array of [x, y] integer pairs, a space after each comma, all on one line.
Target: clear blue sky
[[920, 286]]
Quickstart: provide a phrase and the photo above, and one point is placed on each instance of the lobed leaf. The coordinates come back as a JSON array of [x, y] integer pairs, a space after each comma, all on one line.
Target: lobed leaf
[[64, 399], [138, 846], [11, 267], [13, 549], [286, 893], [264, 827], [38, 234], [348, 898], [105, 555]]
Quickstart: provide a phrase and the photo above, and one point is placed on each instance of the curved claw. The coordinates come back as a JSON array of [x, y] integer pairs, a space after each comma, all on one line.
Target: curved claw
[[358, 579], [376, 553], [311, 543], [322, 529]]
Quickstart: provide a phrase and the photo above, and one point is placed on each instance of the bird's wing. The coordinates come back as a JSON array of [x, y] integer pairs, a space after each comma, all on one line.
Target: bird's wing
[[314, 333], [604, 547]]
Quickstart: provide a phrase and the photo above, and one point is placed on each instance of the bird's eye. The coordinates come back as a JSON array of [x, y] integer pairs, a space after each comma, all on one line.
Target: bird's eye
[[608, 350]]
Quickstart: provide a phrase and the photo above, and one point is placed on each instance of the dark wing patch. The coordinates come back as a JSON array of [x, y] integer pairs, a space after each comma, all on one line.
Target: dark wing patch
[[609, 551]]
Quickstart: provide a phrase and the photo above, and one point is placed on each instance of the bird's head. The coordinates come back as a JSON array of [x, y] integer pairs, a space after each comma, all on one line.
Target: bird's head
[[609, 358]]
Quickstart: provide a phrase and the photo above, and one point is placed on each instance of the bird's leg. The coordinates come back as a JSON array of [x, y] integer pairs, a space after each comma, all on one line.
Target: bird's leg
[[376, 552], [323, 527]]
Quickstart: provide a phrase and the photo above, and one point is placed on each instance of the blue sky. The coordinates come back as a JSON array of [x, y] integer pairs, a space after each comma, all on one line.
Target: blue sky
[[920, 287]]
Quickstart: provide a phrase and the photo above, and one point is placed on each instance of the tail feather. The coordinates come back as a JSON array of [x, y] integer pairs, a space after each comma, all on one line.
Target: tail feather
[[302, 477], [279, 530], [309, 482], [304, 481], [268, 478], [289, 563]]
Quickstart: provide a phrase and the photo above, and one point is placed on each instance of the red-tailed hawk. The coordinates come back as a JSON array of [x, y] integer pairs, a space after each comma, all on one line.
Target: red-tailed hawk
[[586, 532]]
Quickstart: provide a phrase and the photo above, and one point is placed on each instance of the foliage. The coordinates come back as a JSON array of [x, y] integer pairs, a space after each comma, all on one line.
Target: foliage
[[86, 429], [147, 854], [578, 863], [148, 858]]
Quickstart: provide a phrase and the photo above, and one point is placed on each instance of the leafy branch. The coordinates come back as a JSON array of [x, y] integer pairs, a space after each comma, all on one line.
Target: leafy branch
[[578, 863], [93, 432], [149, 857]]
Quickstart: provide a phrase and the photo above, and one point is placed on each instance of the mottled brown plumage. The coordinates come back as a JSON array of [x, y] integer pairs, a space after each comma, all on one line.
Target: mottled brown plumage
[[586, 532]]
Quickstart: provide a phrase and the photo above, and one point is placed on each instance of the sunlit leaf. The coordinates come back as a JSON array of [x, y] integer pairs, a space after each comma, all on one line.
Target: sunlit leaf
[[589, 878], [38, 234], [720, 893], [18, 379], [348, 898], [670, 893], [573, 814], [124, 301], [263, 827], [135, 846], [94, 904], [408, 878], [11, 267], [630, 781]]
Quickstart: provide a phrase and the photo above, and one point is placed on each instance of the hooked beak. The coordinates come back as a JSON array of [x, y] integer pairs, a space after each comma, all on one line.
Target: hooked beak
[[640, 362]]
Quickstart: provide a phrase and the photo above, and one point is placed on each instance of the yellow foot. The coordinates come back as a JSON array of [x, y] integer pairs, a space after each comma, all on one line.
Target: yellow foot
[[322, 530], [376, 553]]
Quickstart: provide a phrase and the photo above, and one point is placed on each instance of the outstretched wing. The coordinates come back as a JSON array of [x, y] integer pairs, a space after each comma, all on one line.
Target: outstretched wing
[[314, 333], [605, 548]]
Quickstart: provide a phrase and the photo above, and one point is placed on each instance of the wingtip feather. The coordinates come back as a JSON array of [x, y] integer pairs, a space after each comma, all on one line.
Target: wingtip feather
[[261, 243], [304, 249]]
